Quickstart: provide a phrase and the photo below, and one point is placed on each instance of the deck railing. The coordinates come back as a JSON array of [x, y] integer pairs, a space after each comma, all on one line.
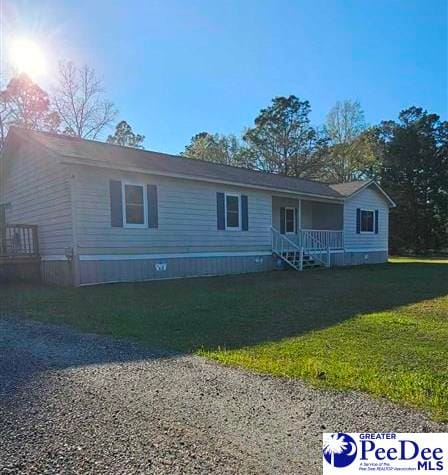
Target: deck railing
[[316, 239], [19, 240]]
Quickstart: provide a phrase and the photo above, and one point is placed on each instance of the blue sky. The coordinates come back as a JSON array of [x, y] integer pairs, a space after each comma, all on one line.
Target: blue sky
[[178, 67]]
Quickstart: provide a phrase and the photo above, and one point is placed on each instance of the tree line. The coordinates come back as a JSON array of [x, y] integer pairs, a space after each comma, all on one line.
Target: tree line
[[408, 157]]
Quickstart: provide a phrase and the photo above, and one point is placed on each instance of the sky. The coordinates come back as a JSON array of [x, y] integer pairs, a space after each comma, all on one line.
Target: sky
[[176, 67]]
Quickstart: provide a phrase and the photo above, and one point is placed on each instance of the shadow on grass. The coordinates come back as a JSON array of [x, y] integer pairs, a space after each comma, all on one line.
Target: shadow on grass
[[233, 311]]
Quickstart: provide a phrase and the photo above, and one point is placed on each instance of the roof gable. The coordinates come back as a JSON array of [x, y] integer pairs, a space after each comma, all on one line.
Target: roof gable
[[351, 189]]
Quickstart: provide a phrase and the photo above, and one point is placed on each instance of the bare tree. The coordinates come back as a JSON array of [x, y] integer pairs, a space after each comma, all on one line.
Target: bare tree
[[80, 103], [350, 154], [345, 122]]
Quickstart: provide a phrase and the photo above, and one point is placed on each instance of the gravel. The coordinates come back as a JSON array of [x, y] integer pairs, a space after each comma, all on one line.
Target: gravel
[[83, 403]]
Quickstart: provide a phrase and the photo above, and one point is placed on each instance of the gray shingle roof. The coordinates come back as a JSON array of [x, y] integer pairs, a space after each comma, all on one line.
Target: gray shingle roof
[[347, 189], [124, 157]]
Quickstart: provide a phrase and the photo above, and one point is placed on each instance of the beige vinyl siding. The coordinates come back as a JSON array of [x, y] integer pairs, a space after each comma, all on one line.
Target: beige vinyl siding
[[314, 214], [326, 216], [368, 199], [37, 186], [187, 217]]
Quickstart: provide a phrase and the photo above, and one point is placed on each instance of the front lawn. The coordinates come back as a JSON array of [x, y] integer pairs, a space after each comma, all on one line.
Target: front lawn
[[381, 329]]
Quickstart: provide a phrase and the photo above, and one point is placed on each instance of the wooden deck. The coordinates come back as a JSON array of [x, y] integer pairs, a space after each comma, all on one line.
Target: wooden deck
[[18, 241], [19, 252]]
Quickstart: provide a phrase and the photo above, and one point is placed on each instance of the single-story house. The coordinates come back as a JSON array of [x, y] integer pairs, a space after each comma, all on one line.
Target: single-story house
[[106, 213]]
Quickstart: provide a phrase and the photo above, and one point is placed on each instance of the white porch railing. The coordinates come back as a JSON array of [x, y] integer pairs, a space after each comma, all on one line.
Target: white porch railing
[[316, 239], [294, 255]]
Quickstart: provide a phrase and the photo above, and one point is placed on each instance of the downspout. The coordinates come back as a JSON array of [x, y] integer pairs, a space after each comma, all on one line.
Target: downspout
[[74, 258]]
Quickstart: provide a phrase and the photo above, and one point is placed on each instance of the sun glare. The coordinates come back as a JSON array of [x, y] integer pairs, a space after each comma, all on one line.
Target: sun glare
[[28, 58]]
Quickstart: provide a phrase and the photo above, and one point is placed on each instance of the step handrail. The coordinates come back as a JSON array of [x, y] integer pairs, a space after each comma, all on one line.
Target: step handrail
[[319, 249], [293, 244], [317, 254], [290, 247]]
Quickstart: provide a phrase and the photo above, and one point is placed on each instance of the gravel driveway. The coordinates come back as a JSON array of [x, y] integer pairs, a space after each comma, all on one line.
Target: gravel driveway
[[82, 403]]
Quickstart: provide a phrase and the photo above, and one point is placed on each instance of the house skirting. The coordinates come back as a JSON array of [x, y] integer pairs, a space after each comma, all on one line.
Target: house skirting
[[57, 270], [102, 269], [357, 257], [19, 270]]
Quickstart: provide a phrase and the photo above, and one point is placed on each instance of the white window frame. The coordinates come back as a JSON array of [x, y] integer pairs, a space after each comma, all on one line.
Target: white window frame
[[145, 205], [294, 220], [232, 228], [360, 221]]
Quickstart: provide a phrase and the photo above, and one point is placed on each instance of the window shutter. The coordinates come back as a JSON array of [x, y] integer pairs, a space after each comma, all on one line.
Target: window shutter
[[296, 220], [220, 210], [244, 213], [376, 221], [153, 212], [116, 204], [282, 220], [358, 220]]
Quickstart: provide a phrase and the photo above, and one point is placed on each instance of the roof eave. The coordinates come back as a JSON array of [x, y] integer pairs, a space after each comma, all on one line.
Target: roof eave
[[93, 163]]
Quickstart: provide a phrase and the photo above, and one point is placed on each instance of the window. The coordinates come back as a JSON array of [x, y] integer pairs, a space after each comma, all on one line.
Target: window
[[367, 221], [290, 220], [134, 205], [233, 211]]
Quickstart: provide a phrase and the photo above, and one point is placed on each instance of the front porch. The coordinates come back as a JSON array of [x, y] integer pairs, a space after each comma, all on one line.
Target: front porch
[[312, 225], [304, 232]]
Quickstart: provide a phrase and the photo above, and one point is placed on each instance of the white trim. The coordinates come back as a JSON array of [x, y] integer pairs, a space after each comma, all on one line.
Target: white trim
[[332, 251], [294, 220], [54, 257], [360, 220], [238, 195], [373, 182], [366, 250], [283, 191], [145, 205], [130, 257], [74, 211], [323, 230]]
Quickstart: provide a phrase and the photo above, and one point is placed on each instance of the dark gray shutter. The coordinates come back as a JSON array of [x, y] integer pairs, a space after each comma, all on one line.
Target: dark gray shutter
[[282, 220], [376, 221], [116, 204], [358, 220], [220, 210], [296, 212], [244, 213], [153, 212]]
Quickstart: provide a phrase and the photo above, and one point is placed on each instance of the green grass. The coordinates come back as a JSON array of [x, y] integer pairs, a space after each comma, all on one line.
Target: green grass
[[381, 329]]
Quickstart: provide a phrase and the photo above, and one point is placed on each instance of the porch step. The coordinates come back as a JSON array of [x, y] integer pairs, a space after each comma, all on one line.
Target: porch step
[[298, 258], [308, 261]]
